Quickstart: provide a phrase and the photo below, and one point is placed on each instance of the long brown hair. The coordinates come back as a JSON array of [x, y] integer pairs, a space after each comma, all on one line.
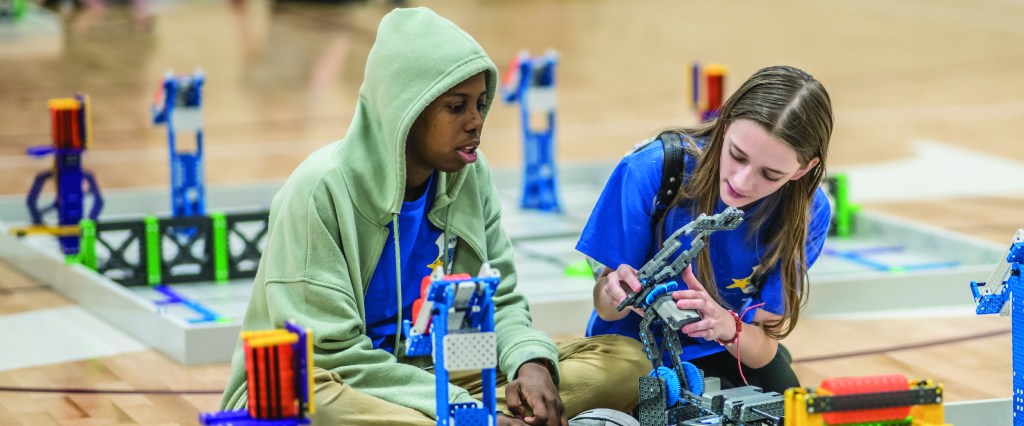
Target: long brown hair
[[794, 107]]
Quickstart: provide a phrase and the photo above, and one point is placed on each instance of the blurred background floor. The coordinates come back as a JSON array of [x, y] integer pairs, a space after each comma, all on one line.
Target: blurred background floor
[[908, 79]]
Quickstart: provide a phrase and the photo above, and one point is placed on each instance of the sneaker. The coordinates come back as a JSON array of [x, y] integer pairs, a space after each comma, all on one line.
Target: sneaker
[[603, 417]]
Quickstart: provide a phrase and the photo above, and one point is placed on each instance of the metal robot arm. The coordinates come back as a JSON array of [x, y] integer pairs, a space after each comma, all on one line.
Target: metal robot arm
[[657, 270], [993, 295]]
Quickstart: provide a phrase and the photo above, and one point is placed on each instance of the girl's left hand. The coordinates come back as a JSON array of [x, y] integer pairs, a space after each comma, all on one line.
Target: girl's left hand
[[716, 322]]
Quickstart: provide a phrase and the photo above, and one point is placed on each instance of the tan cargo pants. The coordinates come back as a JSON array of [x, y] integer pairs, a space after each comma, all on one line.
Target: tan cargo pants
[[596, 372]]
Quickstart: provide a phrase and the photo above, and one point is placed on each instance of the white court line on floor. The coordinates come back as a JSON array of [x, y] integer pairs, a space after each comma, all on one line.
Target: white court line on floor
[[965, 310], [965, 113], [59, 335], [935, 171]]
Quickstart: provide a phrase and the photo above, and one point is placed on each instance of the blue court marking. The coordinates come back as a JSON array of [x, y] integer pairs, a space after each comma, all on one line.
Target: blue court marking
[[175, 297], [863, 251], [855, 256]]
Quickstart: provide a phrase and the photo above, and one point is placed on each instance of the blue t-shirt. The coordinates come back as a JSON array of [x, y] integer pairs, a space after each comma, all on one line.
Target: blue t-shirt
[[421, 251], [619, 231]]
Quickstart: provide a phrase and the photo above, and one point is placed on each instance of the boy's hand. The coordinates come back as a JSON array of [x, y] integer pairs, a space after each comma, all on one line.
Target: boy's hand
[[533, 389]]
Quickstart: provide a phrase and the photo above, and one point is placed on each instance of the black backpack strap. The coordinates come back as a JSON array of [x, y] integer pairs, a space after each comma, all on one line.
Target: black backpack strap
[[671, 174], [672, 171]]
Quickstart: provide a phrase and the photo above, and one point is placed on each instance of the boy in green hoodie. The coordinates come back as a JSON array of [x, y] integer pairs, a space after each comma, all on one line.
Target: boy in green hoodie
[[362, 220]]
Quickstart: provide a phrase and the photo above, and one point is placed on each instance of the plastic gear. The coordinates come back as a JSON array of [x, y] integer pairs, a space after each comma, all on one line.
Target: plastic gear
[[694, 378], [673, 388], [659, 290]]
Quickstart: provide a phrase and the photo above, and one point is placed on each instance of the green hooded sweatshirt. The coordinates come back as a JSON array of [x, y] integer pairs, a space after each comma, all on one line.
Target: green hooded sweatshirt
[[328, 223]]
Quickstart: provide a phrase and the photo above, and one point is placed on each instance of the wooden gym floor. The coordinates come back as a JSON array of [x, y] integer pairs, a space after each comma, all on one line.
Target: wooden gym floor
[[282, 78]]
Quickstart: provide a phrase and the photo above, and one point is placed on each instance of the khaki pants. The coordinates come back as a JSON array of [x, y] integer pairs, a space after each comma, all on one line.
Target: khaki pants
[[596, 372]]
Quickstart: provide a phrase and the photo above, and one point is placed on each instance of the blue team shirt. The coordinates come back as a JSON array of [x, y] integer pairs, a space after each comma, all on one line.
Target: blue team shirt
[[619, 231], [421, 249]]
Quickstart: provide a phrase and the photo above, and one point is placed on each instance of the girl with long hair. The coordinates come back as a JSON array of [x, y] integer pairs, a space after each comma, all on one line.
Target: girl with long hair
[[764, 154]]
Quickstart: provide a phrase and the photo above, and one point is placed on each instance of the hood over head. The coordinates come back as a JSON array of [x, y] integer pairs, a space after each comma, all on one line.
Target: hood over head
[[417, 57]]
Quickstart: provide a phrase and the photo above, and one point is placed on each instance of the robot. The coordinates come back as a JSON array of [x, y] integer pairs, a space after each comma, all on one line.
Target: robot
[[179, 106], [673, 394], [279, 371], [712, 87], [997, 295], [886, 399], [454, 322], [531, 83], [71, 137]]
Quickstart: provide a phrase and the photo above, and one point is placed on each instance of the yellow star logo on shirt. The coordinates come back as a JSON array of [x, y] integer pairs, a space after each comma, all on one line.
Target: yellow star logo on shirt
[[740, 283], [436, 263]]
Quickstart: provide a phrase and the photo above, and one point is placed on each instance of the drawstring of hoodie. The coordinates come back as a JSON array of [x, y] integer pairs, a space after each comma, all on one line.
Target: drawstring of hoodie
[[398, 267], [447, 216], [398, 274]]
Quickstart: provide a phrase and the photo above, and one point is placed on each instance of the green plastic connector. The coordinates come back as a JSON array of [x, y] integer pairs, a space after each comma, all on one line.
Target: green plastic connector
[[845, 211], [898, 269], [844, 215], [152, 250], [87, 244], [579, 269], [220, 247], [18, 8]]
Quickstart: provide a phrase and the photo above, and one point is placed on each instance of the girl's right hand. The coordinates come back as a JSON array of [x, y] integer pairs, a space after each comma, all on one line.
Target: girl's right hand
[[612, 289]]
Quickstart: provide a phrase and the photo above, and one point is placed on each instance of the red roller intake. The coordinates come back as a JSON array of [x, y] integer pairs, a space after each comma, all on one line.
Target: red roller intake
[[862, 385]]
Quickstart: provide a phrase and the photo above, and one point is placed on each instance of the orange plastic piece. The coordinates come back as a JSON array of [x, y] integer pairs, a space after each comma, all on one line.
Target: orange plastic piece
[[66, 121], [289, 406], [716, 89], [254, 359], [418, 303]]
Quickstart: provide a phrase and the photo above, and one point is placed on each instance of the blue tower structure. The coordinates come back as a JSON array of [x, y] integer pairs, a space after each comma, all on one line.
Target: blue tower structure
[[71, 136], [1003, 293], [179, 107], [454, 322], [531, 83]]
